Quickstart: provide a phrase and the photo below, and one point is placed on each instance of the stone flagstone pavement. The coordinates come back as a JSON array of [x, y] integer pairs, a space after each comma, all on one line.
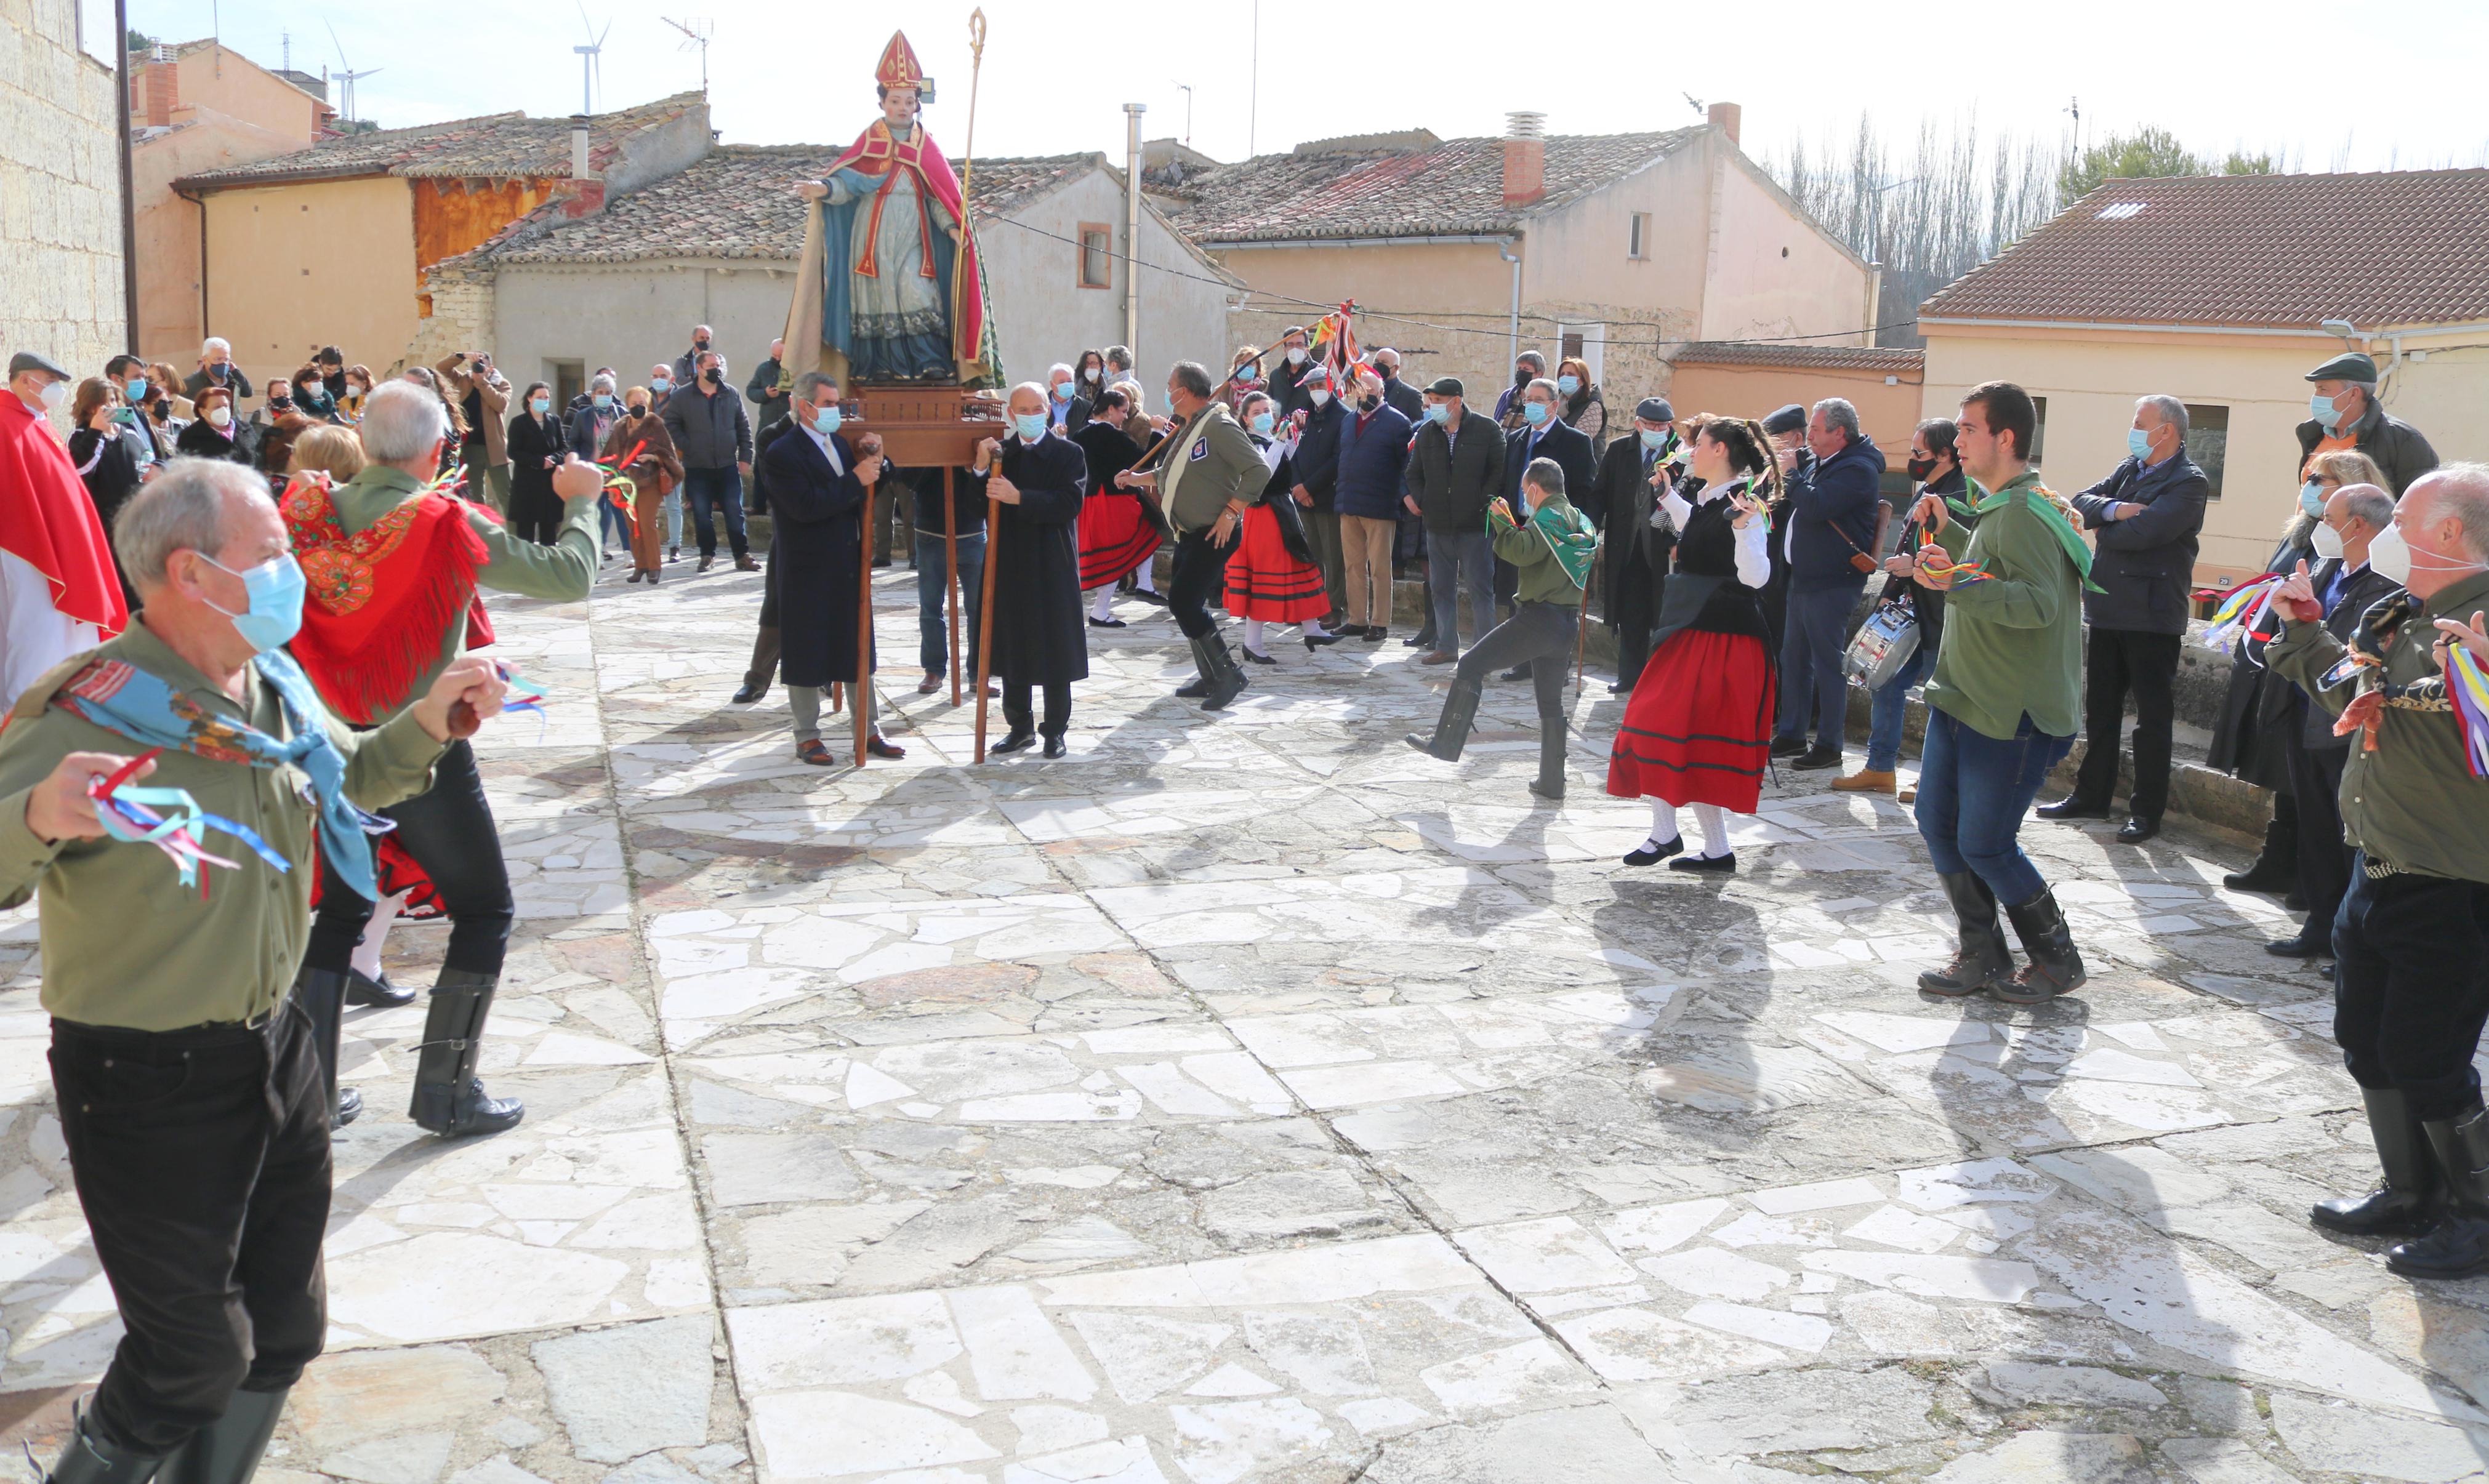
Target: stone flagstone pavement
[[1252, 1098]]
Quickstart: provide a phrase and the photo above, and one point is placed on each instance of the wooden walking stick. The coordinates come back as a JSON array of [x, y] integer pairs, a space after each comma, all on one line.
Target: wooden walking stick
[[864, 619], [951, 566], [1581, 630], [962, 354]]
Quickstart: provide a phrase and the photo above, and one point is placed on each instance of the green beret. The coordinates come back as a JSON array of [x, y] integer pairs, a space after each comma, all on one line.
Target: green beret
[[2348, 366]]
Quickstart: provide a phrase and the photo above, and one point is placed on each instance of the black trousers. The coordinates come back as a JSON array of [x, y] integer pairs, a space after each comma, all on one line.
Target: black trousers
[[2122, 661], [536, 515], [2324, 858], [201, 1157], [2410, 987], [1017, 695], [1634, 613], [1199, 569], [1541, 632], [448, 829], [765, 641]]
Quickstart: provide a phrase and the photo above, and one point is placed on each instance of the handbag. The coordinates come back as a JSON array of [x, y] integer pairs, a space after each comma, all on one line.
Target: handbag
[[1882, 644]]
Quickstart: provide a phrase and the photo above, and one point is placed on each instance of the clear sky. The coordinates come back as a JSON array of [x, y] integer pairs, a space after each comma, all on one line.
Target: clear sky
[[2327, 85]]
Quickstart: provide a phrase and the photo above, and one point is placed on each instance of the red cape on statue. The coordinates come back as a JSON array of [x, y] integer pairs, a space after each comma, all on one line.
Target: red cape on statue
[[47, 521], [874, 153]]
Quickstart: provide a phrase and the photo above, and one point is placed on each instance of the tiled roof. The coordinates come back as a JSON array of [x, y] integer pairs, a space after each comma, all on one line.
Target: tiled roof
[[1452, 187], [2394, 247], [1818, 358], [500, 146], [736, 203]]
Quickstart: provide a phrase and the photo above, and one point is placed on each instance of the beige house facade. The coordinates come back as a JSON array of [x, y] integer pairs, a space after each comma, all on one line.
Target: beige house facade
[[1619, 249], [2225, 292]]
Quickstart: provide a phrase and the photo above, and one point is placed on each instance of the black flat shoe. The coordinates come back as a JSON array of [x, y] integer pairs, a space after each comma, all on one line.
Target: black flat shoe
[[1016, 742], [1817, 759], [2135, 832], [1649, 854], [1418, 642], [1314, 642], [1252, 658], [745, 695], [1054, 747], [379, 993], [1724, 863], [1787, 747], [2298, 946], [1376, 634], [2072, 807], [1152, 599], [1106, 623]]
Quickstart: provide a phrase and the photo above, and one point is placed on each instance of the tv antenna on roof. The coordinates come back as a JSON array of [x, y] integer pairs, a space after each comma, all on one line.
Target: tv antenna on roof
[[590, 65], [695, 30], [346, 75]]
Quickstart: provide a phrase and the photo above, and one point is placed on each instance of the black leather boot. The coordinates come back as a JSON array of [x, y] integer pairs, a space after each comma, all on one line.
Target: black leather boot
[[1982, 961], [2407, 1204], [322, 996], [1552, 735], [1226, 676], [2055, 968], [1452, 727], [86, 1459], [227, 1450], [2459, 1246], [1200, 685], [2276, 864], [449, 1098]]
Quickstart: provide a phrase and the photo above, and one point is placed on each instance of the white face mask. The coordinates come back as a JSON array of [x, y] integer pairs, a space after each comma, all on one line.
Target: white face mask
[[219, 417], [54, 393], [2393, 556], [2328, 542], [1296, 356], [1318, 397]]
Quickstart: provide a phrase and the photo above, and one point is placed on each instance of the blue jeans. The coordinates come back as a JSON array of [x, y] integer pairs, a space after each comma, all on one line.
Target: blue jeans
[[1457, 562], [610, 521], [1973, 792], [1892, 700], [933, 608], [675, 518], [719, 490], [1811, 678]]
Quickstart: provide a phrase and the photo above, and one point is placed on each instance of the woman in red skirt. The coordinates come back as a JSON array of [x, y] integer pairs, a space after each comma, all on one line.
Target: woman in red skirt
[[1117, 536], [1269, 578], [1699, 727]]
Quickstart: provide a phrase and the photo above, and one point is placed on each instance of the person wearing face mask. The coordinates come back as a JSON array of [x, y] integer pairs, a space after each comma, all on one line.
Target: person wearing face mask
[[687, 365], [1245, 379], [1036, 477], [592, 416], [2347, 584], [1633, 474], [2143, 518], [399, 603], [713, 435], [58, 586], [215, 433], [1285, 371], [1117, 536], [1581, 407], [653, 472], [1319, 435], [1089, 372], [1936, 470], [1527, 367], [538, 445], [1274, 578], [2342, 398], [476, 386], [1407, 400], [1204, 476], [285, 422], [1454, 466], [1786, 426], [1373, 477], [2250, 737], [149, 441], [185, 1060], [216, 369], [1068, 402], [2410, 987], [356, 385], [166, 404], [1542, 434], [311, 396], [104, 453], [661, 390]]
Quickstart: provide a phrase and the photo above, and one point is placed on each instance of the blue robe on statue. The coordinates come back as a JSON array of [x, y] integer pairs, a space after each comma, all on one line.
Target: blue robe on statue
[[895, 323]]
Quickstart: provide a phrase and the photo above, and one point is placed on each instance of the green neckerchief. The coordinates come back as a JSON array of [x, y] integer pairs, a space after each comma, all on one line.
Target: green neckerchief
[[2044, 506]]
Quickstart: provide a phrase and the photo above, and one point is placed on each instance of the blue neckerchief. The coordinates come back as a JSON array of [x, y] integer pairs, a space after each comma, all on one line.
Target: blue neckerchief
[[120, 697]]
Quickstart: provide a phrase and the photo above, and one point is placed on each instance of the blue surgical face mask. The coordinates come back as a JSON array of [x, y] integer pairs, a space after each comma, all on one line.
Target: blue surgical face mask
[[602, 399], [1654, 441], [1030, 426], [1534, 412], [1439, 412], [137, 390], [2311, 498], [1568, 385], [661, 384], [1063, 391], [827, 418], [276, 611], [2326, 411], [540, 405], [2140, 444], [1263, 422]]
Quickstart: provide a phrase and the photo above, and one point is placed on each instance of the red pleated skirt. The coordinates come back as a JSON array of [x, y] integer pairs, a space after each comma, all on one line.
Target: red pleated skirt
[[1115, 538], [1266, 580], [1698, 728]]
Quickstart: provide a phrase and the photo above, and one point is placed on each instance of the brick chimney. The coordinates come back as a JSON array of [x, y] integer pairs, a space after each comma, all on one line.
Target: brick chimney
[[585, 190], [1726, 117], [1525, 157], [158, 90]]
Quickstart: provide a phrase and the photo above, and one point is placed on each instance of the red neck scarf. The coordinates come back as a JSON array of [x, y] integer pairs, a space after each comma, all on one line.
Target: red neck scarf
[[381, 601]]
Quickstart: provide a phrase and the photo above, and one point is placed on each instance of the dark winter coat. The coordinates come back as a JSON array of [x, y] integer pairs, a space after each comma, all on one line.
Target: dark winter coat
[[1636, 557], [1317, 457], [817, 517], [533, 440], [1408, 399], [1453, 479], [1570, 448], [2144, 565], [1039, 636], [1373, 464], [2255, 711], [709, 427], [2395, 444], [1833, 517], [2366, 589]]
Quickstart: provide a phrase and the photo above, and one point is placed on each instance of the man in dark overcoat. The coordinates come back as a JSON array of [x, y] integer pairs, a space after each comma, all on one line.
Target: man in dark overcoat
[[1036, 477]]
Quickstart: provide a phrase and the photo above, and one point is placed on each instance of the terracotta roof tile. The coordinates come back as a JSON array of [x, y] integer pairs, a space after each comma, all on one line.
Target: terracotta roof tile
[[1853, 357], [501, 145], [735, 203], [1455, 186], [2393, 247]]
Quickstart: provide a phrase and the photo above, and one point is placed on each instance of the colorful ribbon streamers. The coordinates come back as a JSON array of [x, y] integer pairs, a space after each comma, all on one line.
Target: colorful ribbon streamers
[[130, 813], [2240, 610], [619, 487], [1959, 572], [2469, 689]]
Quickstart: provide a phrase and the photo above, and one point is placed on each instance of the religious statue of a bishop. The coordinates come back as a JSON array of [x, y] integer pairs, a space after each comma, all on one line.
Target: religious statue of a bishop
[[884, 291]]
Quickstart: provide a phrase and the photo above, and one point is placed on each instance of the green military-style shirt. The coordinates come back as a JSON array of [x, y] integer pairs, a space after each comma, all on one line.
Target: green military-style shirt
[[2012, 644], [125, 943], [562, 572], [2413, 804]]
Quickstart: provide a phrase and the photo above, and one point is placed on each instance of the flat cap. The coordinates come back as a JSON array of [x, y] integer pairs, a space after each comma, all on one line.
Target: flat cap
[[28, 361], [1654, 409], [2348, 366], [1446, 386], [1788, 419]]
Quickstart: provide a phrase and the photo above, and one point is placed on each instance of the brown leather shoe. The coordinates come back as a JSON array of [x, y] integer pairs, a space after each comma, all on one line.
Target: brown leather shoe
[[813, 752], [880, 747], [1866, 780], [705, 563], [746, 564], [1909, 795], [931, 682], [1439, 657]]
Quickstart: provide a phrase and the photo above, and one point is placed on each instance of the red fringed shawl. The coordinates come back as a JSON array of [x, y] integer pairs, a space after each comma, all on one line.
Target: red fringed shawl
[[380, 603]]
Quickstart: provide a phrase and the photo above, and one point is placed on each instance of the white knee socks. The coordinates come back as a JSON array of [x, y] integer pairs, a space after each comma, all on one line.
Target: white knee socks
[[1253, 636], [1105, 608], [367, 951], [1715, 830], [1313, 627], [1143, 579], [1663, 824]]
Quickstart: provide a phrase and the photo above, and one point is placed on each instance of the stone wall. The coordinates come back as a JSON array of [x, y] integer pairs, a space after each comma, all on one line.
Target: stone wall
[[60, 193]]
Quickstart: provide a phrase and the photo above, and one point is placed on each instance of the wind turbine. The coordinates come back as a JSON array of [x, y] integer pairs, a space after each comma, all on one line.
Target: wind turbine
[[695, 32], [589, 63], [346, 75]]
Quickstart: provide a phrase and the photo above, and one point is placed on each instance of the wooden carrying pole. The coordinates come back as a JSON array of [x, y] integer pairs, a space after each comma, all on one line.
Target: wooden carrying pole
[[1582, 626], [959, 288], [864, 621], [985, 603], [951, 566]]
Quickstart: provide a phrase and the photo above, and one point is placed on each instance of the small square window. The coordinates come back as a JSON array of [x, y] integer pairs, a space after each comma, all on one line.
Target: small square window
[[1097, 256], [2208, 442], [1638, 237]]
